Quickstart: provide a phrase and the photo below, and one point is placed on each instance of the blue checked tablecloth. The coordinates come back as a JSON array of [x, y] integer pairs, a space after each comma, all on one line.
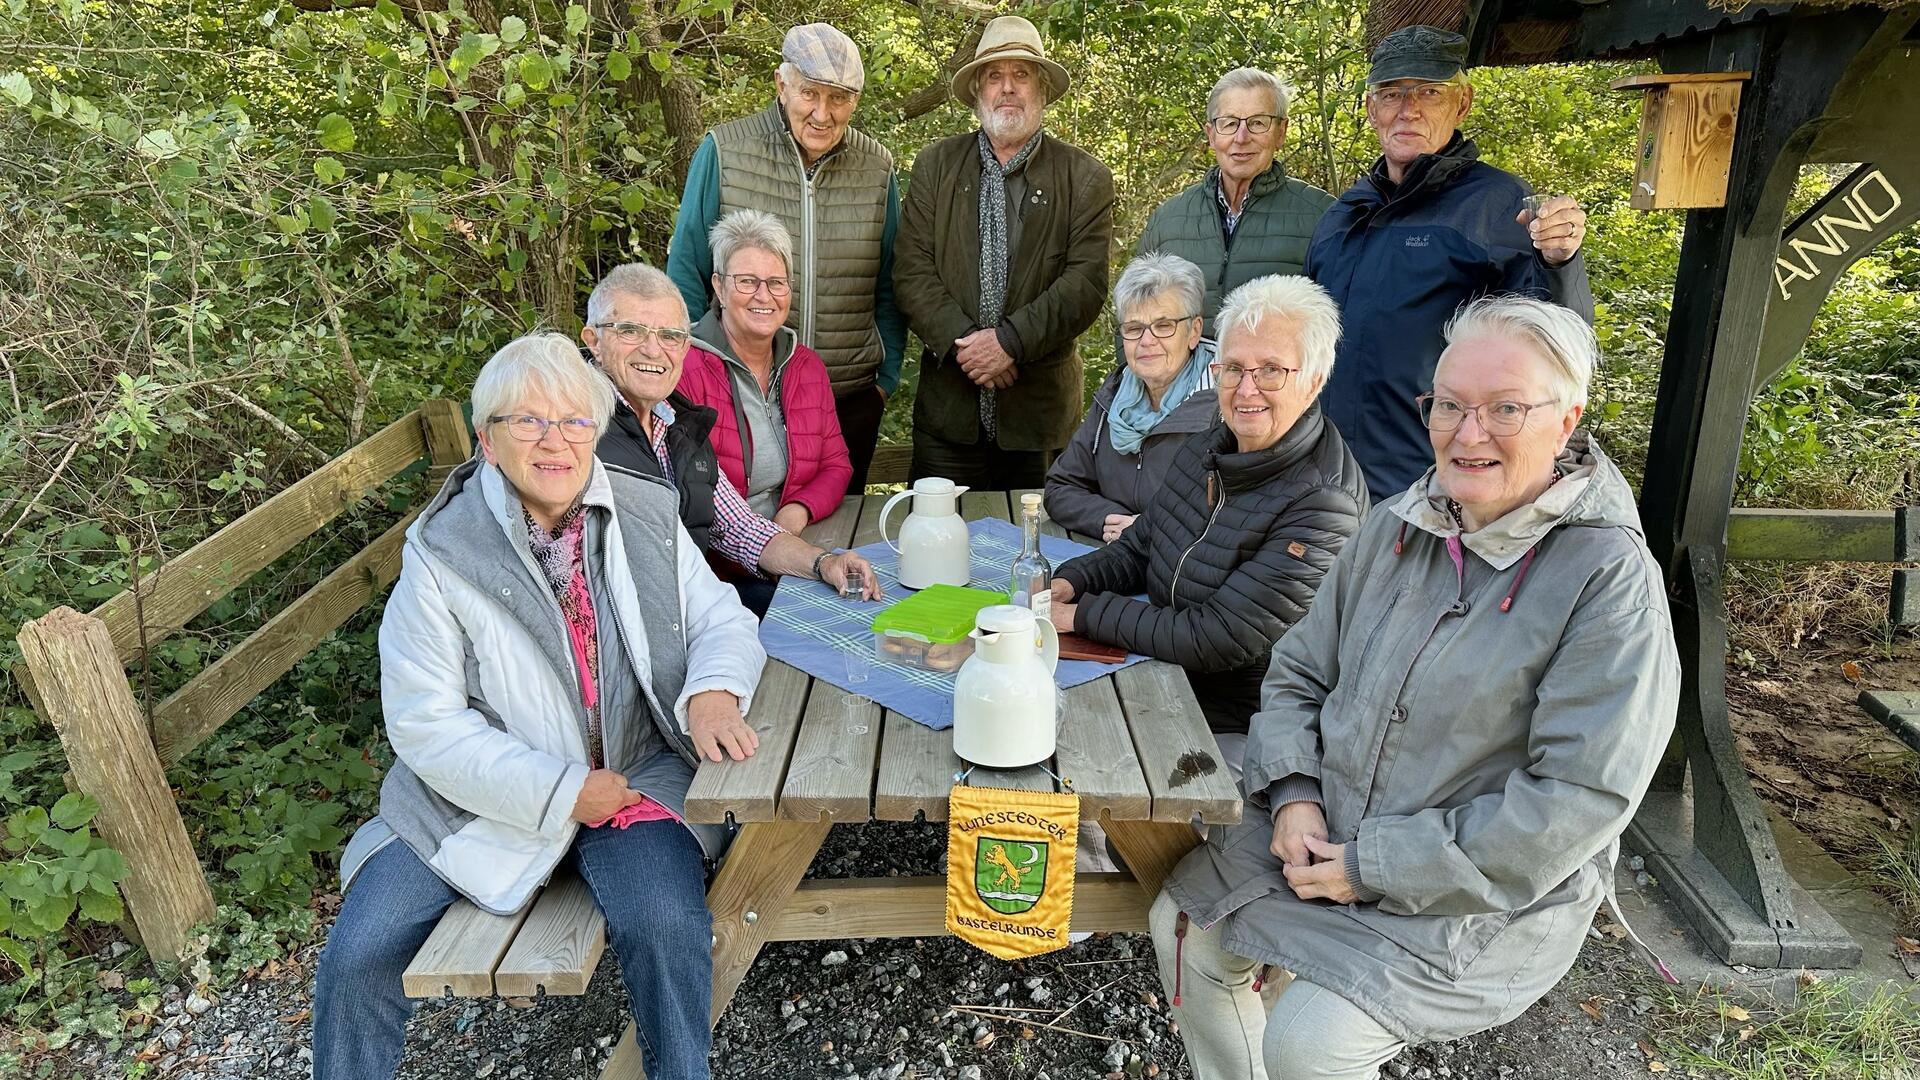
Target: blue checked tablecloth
[[812, 628]]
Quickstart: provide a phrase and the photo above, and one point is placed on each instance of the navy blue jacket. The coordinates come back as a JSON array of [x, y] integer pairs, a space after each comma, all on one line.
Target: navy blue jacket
[[1401, 259]]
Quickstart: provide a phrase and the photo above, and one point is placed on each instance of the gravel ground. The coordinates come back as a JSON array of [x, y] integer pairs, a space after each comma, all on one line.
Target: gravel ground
[[875, 1010]]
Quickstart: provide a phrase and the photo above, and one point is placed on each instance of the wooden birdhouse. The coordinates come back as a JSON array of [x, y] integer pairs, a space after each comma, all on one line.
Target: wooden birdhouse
[[1686, 138]]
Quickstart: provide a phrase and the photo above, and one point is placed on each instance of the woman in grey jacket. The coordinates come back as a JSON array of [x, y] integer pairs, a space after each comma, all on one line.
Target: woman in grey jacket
[[1449, 744], [554, 661], [1146, 407]]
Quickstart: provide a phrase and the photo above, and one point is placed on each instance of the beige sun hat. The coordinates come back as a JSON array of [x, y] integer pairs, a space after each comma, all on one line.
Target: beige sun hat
[[1009, 37]]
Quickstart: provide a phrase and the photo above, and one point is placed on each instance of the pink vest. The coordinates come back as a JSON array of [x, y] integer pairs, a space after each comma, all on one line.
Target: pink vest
[[818, 468]]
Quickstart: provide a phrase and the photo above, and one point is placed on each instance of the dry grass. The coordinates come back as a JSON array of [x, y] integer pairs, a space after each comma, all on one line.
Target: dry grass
[[1776, 607]]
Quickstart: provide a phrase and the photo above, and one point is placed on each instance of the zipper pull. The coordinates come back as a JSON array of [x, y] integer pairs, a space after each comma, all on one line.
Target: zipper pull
[[1210, 477]]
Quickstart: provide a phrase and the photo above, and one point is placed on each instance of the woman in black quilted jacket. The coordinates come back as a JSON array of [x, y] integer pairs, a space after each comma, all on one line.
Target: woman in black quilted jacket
[[1253, 511]]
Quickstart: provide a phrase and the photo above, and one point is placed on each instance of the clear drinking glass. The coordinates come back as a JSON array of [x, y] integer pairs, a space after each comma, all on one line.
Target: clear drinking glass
[[859, 668], [1535, 202], [856, 584]]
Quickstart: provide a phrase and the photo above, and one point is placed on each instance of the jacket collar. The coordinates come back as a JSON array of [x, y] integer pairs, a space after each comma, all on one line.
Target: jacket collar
[[1265, 184], [711, 335], [1591, 491], [1429, 172], [685, 418], [780, 115], [1242, 471]]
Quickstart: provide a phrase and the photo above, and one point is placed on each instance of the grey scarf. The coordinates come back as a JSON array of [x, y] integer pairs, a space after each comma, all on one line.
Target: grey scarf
[[993, 248]]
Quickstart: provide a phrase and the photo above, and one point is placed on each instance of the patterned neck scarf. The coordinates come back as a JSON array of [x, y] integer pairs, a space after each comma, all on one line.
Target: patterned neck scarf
[[563, 564], [993, 246]]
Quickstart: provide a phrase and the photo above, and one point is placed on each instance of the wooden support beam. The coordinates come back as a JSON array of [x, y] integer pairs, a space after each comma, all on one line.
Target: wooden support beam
[[190, 582], [1823, 535], [83, 693], [444, 430], [845, 908], [195, 711]]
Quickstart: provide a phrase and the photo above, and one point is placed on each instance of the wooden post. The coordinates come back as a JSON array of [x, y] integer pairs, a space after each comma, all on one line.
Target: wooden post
[[448, 441], [83, 692]]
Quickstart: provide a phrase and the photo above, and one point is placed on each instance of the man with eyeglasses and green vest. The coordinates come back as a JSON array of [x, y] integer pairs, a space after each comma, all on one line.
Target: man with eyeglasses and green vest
[[833, 187], [1246, 218]]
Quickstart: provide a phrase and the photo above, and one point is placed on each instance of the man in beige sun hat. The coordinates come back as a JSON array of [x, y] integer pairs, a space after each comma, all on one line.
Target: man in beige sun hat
[[1001, 264]]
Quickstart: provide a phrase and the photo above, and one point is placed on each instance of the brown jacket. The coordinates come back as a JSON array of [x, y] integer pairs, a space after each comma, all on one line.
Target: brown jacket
[[1056, 286]]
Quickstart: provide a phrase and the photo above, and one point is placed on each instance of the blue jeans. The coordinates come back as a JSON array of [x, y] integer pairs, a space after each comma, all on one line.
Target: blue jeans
[[649, 882]]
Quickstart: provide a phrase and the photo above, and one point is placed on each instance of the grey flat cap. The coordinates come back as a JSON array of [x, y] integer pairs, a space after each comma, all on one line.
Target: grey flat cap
[[825, 55], [1418, 52]]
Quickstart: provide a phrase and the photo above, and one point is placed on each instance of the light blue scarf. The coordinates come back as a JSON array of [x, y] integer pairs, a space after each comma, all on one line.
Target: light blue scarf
[[1130, 418]]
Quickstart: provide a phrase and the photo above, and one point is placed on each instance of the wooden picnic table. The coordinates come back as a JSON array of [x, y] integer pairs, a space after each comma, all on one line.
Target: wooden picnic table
[[1132, 745]]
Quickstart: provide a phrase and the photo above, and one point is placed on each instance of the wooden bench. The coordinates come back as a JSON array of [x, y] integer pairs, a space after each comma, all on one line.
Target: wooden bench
[[1899, 710], [826, 760]]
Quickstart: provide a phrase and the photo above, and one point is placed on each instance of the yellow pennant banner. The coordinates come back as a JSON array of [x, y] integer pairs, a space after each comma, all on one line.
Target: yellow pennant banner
[[1010, 869]]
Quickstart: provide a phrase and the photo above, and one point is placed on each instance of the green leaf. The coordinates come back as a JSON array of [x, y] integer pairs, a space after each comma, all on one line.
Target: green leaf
[[101, 908], [619, 65], [15, 88], [576, 18], [465, 103], [512, 29], [659, 60], [158, 144], [74, 810], [329, 170], [336, 133], [633, 200], [21, 956], [513, 95], [321, 212], [537, 72]]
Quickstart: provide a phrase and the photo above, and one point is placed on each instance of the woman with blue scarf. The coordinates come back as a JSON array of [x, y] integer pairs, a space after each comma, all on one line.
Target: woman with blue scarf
[[1145, 408]]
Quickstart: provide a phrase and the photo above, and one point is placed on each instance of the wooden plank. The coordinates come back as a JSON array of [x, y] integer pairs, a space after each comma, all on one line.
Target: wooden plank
[[222, 688], [557, 947], [1095, 755], [1903, 601], [1899, 710], [449, 443], [1635, 82], [831, 777], [828, 910], [748, 790], [1755, 535], [836, 529], [1151, 849], [980, 505], [82, 688], [756, 880], [867, 531], [458, 958], [891, 464], [1177, 752], [190, 582], [917, 765]]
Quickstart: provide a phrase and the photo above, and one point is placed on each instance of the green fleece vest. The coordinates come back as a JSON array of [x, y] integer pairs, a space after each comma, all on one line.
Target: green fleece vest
[[1275, 227], [836, 220]]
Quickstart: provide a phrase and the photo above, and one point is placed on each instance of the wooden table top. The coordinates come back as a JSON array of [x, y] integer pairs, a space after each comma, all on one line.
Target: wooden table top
[[1132, 745]]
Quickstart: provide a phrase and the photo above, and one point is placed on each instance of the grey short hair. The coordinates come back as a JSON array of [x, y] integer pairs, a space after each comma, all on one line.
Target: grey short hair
[[1039, 72], [743, 230], [1155, 273], [545, 363], [1247, 78], [635, 279], [1560, 337], [1303, 305]]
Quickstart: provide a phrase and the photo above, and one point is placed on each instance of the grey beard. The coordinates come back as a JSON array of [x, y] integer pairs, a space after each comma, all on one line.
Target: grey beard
[[1016, 131]]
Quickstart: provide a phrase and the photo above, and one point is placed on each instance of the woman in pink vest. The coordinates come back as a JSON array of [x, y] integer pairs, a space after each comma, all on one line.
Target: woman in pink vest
[[778, 437]]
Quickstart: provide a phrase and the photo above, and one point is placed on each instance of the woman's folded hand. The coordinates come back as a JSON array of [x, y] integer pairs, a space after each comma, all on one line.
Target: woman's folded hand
[[1291, 826]]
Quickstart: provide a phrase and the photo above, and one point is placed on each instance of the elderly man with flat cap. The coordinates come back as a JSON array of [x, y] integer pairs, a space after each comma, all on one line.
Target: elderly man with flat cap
[[1002, 264], [1427, 229], [833, 187]]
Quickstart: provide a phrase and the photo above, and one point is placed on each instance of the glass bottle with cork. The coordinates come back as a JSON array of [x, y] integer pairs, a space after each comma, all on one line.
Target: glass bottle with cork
[[1032, 579]]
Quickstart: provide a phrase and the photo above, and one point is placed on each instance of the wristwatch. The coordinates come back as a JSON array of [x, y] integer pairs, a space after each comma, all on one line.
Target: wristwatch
[[822, 557]]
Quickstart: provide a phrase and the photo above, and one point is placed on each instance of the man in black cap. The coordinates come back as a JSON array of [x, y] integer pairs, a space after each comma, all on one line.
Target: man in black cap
[[1428, 228]]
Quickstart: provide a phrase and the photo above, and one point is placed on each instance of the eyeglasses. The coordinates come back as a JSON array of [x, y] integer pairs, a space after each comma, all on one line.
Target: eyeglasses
[[747, 284], [1425, 95], [1256, 125], [633, 333], [574, 429], [1266, 376], [1500, 418], [1162, 328]]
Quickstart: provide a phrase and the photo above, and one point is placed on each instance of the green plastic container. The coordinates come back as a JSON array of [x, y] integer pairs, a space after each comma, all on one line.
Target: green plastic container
[[929, 630]]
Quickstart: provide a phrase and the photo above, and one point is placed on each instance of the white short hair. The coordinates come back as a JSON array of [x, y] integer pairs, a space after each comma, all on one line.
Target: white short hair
[[546, 363], [1248, 78], [635, 279], [1302, 304], [1154, 274], [744, 230], [1559, 336]]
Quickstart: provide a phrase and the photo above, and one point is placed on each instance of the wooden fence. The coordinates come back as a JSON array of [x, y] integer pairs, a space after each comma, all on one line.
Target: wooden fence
[[75, 664]]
